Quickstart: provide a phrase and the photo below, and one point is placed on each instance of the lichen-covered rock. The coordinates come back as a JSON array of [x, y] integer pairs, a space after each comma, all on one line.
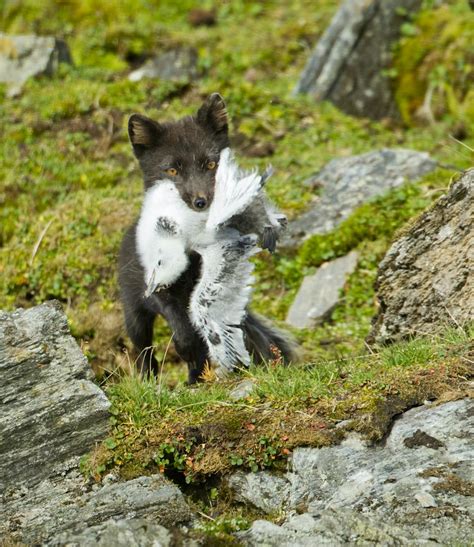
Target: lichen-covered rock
[[51, 409], [25, 56], [65, 506], [118, 533], [319, 293], [264, 491], [426, 280], [348, 64], [331, 528], [419, 485], [175, 64], [349, 182]]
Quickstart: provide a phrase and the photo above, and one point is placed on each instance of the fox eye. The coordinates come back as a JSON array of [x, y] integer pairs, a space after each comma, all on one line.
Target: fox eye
[[211, 165], [172, 172]]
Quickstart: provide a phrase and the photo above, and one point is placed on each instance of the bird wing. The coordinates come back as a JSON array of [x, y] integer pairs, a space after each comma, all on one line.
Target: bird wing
[[234, 190], [219, 300]]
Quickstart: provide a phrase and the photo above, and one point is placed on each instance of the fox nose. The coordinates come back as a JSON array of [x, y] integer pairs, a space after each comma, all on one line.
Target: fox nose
[[200, 203]]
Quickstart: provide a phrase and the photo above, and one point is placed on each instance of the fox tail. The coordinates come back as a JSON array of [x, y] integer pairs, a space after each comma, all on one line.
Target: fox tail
[[265, 342]]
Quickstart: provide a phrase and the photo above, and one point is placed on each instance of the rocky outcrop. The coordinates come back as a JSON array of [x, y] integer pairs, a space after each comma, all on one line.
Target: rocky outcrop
[[179, 64], [418, 484], [64, 507], [51, 409], [426, 280], [25, 56], [348, 64], [349, 182], [416, 489], [118, 533], [319, 293], [52, 413], [331, 528]]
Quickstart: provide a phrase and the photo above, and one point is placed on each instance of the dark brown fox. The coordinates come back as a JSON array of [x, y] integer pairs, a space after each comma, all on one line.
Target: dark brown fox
[[187, 152]]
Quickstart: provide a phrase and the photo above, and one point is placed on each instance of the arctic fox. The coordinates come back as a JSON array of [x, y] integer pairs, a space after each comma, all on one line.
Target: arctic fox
[[187, 152], [168, 230]]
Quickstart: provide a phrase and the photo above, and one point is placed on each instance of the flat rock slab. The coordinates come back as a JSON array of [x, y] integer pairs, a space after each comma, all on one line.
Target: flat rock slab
[[118, 533], [319, 293], [65, 507], [51, 409], [330, 528], [347, 67], [349, 182], [25, 56], [174, 65], [426, 280], [417, 487]]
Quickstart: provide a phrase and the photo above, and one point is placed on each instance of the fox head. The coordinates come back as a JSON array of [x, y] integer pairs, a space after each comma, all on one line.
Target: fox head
[[185, 151]]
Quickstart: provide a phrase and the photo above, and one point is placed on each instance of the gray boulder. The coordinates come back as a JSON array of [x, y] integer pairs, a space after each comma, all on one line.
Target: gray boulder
[[330, 528], [348, 65], [118, 533], [25, 56], [426, 279], [174, 65], [319, 293], [264, 491], [417, 486], [51, 409], [349, 182], [66, 506]]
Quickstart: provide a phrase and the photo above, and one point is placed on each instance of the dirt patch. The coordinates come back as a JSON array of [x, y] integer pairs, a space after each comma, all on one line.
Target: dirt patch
[[420, 438]]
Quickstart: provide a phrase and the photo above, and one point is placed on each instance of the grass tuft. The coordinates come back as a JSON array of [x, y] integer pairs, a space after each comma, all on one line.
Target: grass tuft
[[199, 432]]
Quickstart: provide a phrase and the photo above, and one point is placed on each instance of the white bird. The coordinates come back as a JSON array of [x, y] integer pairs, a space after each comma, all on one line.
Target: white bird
[[168, 230]]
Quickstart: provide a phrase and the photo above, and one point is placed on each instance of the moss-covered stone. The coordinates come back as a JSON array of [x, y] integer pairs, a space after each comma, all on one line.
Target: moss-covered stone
[[436, 57]]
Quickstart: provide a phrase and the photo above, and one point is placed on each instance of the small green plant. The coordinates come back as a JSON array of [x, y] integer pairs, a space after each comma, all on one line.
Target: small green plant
[[224, 526], [176, 456], [268, 452]]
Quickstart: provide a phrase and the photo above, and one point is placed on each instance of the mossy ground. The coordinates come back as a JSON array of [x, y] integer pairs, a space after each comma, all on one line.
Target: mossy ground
[[435, 82], [69, 186], [198, 435], [200, 432]]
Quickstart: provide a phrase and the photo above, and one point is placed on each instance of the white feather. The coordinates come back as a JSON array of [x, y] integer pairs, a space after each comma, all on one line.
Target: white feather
[[219, 300], [233, 192]]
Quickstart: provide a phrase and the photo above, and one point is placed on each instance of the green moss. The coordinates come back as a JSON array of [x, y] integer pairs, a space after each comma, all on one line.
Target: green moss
[[66, 166], [194, 433], [378, 219], [439, 54]]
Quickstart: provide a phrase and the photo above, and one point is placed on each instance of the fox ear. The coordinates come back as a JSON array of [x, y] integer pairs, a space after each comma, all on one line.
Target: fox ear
[[144, 133], [213, 114]]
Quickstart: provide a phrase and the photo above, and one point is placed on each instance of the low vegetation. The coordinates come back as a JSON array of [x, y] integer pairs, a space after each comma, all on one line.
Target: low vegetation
[[69, 187], [194, 433]]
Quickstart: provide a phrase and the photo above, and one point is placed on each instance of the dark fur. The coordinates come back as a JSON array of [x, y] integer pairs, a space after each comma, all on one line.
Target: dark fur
[[187, 145]]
